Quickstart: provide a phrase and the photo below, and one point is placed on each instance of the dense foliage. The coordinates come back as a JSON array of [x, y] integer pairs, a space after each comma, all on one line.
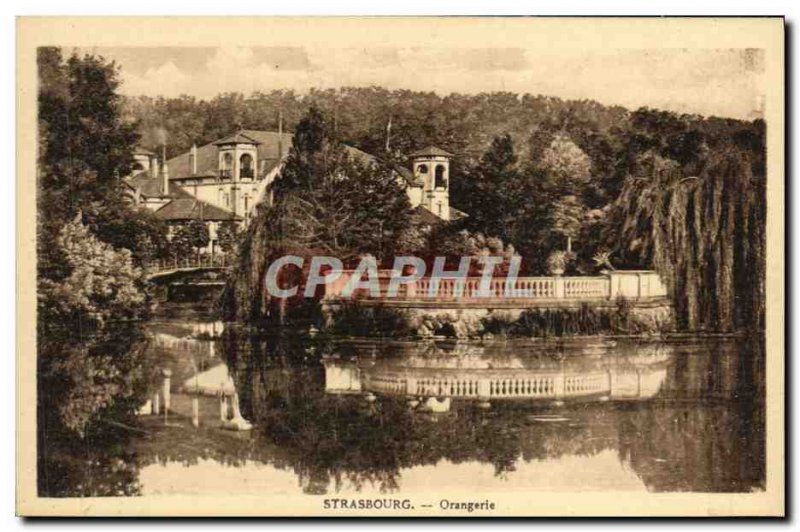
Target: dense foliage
[[327, 200], [88, 389], [545, 175], [91, 242], [103, 283], [85, 149]]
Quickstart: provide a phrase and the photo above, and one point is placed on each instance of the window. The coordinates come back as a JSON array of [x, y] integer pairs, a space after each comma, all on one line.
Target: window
[[227, 164], [422, 169], [246, 166], [441, 180]]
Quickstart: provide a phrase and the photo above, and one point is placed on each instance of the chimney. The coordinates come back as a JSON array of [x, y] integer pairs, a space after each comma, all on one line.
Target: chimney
[[164, 169], [165, 178], [193, 159]]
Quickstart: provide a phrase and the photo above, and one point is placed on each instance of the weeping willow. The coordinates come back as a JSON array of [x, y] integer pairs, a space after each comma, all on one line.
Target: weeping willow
[[244, 298], [705, 234]]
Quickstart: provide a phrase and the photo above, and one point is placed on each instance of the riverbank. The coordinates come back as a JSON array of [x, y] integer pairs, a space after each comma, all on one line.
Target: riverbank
[[373, 318]]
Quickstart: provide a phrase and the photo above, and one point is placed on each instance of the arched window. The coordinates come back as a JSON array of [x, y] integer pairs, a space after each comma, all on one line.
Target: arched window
[[246, 166], [227, 164], [422, 169], [441, 180]]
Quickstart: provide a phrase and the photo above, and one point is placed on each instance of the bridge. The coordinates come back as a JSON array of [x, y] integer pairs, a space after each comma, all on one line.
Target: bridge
[[201, 264]]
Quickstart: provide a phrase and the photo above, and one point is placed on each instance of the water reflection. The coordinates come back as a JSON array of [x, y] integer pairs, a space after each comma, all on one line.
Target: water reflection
[[578, 371], [341, 417]]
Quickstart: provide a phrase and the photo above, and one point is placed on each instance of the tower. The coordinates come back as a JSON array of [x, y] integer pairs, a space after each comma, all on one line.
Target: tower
[[431, 166], [238, 156]]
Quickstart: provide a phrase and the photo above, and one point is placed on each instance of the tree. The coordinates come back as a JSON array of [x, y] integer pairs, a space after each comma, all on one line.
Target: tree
[[228, 236], [335, 199], [580, 149], [568, 215], [80, 123], [704, 234], [85, 149], [102, 284], [198, 234], [493, 192], [137, 230], [89, 237], [328, 199], [566, 165], [188, 237]]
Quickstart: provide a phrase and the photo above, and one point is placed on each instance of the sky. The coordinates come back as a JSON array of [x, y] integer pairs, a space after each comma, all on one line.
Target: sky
[[721, 82], [569, 473]]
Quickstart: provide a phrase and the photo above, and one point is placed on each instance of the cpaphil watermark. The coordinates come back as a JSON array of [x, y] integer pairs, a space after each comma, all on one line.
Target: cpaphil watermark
[[407, 272]]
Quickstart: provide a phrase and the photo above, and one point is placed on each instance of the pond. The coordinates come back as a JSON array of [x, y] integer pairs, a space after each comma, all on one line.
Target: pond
[[374, 418]]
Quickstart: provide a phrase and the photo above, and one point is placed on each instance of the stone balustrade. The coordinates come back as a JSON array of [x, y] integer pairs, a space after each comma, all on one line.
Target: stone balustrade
[[632, 285], [499, 384]]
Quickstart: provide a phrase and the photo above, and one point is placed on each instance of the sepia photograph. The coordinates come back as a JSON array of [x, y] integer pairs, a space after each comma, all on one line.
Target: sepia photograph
[[400, 266]]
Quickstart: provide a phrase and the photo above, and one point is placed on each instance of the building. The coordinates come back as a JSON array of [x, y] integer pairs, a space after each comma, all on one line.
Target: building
[[225, 180], [431, 167], [144, 160]]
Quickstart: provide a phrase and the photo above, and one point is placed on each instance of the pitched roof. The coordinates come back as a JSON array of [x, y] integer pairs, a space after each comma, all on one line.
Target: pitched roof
[[421, 215], [146, 185], [455, 214], [151, 187], [184, 209], [409, 176], [267, 144], [208, 155], [366, 158], [237, 138], [431, 151]]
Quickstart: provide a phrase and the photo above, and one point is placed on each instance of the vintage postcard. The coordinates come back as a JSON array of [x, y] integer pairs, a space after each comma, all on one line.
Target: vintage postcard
[[403, 267]]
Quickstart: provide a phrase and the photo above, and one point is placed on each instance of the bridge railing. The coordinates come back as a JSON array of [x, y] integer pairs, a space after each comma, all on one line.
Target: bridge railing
[[186, 263]]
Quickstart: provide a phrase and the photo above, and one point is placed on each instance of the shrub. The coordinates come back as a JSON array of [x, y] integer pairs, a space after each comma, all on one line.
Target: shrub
[[357, 320], [102, 283], [582, 321]]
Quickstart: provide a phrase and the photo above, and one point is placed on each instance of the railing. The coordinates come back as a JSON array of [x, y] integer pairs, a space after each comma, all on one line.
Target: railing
[[534, 386], [519, 385], [629, 284], [187, 263], [586, 287], [447, 387], [537, 287]]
